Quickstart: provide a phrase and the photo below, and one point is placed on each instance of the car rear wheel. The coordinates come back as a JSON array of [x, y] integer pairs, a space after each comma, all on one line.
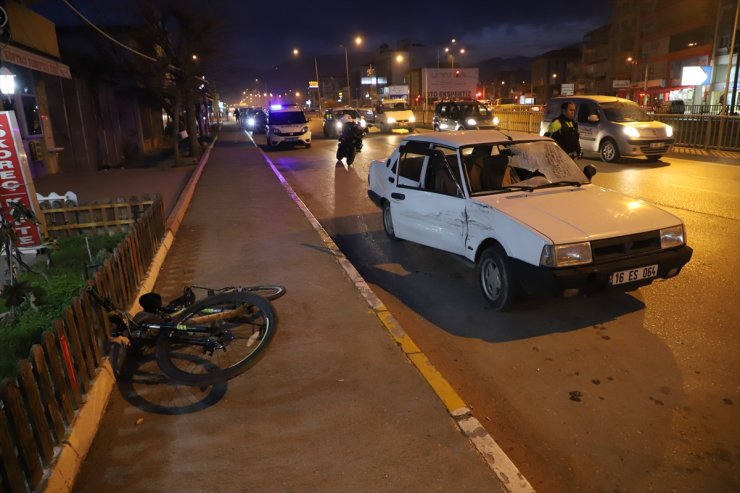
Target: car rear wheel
[[609, 151], [497, 281], [388, 221]]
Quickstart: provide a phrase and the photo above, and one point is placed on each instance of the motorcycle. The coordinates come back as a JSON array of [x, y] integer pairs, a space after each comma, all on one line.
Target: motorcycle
[[350, 142]]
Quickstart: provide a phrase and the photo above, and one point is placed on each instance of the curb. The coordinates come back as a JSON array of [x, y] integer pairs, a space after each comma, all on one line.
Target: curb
[[67, 463], [512, 479]]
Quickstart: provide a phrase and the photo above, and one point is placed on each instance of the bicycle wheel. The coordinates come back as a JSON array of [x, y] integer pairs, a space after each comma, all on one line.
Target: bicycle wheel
[[216, 338], [267, 291]]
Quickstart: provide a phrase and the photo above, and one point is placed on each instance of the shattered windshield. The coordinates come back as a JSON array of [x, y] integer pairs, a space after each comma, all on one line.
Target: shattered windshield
[[540, 163], [624, 112]]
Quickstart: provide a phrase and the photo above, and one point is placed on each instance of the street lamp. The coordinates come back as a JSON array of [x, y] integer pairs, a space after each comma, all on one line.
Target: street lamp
[[645, 83], [296, 52], [358, 42]]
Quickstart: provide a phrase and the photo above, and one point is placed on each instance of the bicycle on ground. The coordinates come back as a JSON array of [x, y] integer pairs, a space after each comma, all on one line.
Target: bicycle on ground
[[198, 342]]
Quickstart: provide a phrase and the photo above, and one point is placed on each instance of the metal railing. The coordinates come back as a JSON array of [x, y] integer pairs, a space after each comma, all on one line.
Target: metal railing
[[704, 131]]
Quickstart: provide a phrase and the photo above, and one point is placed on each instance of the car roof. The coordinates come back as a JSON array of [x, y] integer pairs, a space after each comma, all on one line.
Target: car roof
[[342, 108], [473, 137]]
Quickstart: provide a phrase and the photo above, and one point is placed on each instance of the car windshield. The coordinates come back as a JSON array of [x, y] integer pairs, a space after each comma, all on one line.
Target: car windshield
[[543, 163], [624, 112], [287, 118], [474, 110], [395, 106]]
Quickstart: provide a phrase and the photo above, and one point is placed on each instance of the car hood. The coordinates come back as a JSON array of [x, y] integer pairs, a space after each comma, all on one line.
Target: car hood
[[399, 113], [573, 214]]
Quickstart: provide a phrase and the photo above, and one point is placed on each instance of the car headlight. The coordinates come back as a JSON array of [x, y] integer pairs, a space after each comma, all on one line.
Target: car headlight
[[668, 131], [496, 121], [412, 118], [391, 119], [566, 255], [471, 122], [672, 237], [363, 123], [338, 125], [250, 122], [304, 130], [631, 132]]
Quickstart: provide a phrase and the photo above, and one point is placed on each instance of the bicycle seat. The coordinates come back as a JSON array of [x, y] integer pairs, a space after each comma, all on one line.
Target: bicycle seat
[[150, 302]]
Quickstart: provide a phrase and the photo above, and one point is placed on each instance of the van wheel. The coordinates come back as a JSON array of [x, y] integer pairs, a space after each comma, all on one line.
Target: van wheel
[[655, 157], [609, 151]]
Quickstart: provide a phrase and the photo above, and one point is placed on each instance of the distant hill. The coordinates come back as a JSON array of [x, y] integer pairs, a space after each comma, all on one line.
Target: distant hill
[[489, 69]]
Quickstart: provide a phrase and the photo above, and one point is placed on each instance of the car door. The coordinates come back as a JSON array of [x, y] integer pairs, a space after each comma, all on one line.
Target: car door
[[587, 129], [422, 213]]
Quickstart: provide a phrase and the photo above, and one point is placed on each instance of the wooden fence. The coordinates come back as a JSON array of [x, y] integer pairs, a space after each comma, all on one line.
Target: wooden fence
[[38, 407], [64, 218]]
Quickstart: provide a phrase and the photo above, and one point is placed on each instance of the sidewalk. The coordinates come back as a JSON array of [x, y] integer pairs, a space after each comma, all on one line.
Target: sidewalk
[[334, 405]]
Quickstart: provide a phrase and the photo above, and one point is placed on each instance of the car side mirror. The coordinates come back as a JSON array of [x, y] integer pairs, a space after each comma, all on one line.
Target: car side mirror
[[593, 118], [589, 170]]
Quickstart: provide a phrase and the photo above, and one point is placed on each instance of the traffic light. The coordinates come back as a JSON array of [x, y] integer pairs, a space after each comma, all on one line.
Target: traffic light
[[457, 73]]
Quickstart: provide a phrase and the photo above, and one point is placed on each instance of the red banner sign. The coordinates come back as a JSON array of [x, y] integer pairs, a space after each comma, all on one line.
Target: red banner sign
[[14, 179]]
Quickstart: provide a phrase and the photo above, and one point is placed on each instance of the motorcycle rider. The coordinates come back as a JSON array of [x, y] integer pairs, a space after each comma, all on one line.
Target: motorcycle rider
[[350, 139]]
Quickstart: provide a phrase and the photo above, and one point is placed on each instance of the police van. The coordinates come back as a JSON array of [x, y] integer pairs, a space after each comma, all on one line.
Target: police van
[[287, 124]]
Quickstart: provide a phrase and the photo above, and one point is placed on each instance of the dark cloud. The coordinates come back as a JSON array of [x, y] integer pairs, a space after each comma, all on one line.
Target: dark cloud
[[255, 39]]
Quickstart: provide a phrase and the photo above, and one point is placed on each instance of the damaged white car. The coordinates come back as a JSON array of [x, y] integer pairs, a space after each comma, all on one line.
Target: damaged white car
[[525, 213]]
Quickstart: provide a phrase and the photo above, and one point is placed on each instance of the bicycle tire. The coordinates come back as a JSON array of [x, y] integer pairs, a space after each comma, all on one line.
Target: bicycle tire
[[240, 324], [267, 291]]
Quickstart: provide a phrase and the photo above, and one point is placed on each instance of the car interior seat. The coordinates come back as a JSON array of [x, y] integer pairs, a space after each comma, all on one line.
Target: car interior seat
[[494, 171], [474, 166]]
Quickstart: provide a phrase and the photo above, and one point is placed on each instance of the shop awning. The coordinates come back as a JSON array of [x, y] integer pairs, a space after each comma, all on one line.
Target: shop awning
[[17, 56]]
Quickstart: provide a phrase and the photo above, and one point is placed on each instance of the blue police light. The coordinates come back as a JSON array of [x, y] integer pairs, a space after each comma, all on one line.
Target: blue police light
[[276, 106]]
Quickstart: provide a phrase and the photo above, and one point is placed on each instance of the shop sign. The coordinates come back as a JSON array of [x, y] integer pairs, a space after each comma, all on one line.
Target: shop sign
[[16, 184]]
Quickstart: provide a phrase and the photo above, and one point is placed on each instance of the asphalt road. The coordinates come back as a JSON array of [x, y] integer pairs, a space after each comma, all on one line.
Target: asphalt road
[[623, 392]]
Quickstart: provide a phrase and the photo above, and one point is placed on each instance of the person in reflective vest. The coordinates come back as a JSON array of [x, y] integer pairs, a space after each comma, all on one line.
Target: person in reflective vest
[[564, 130]]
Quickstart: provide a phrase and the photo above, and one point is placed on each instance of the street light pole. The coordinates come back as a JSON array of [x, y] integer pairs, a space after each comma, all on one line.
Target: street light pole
[[318, 82], [346, 65]]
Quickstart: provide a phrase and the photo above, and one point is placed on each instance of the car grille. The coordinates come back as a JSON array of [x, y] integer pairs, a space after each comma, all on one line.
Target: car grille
[[287, 134], [623, 247]]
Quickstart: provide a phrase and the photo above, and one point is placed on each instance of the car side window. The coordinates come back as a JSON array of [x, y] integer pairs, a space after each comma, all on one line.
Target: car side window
[[409, 169], [584, 111]]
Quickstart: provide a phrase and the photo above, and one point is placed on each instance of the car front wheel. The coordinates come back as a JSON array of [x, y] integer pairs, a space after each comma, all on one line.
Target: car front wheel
[[388, 221], [497, 280], [609, 151]]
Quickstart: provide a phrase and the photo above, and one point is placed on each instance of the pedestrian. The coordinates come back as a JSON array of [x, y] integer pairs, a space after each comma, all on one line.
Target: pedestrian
[[237, 117], [564, 130]]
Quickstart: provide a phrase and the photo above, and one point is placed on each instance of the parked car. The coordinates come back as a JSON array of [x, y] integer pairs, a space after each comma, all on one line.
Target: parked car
[[392, 114], [525, 213], [463, 115], [332, 120], [255, 120], [614, 127], [368, 113], [287, 124]]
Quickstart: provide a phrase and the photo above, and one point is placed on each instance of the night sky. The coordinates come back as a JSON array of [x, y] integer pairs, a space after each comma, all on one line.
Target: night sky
[[255, 39]]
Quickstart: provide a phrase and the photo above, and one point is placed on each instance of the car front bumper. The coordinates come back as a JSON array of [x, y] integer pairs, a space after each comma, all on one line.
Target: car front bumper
[[587, 278], [276, 140]]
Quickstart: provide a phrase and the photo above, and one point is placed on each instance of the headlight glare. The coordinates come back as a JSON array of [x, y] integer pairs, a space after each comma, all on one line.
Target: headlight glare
[[412, 118], [471, 122], [496, 121], [631, 132], [391, 120], [338, 125], [672, 237], [668, 131], [566, 255]]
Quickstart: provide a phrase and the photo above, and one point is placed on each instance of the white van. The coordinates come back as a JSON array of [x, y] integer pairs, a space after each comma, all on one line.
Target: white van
[[391, 114], [287, 123], [613, 127]]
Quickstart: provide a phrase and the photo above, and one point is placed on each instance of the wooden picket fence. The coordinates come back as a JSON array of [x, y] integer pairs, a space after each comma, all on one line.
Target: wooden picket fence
[[38, 407], [64, 218]]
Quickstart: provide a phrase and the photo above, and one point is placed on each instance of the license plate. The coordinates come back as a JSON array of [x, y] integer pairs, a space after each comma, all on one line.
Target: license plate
[[632, 275], [291, 139], [655, 145]]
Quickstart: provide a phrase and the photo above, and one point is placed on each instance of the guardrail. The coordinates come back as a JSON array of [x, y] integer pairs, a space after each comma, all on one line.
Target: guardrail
[[40, 405]]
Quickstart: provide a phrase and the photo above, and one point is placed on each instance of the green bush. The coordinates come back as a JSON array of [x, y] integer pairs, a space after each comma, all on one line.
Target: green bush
[[66, 278]]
